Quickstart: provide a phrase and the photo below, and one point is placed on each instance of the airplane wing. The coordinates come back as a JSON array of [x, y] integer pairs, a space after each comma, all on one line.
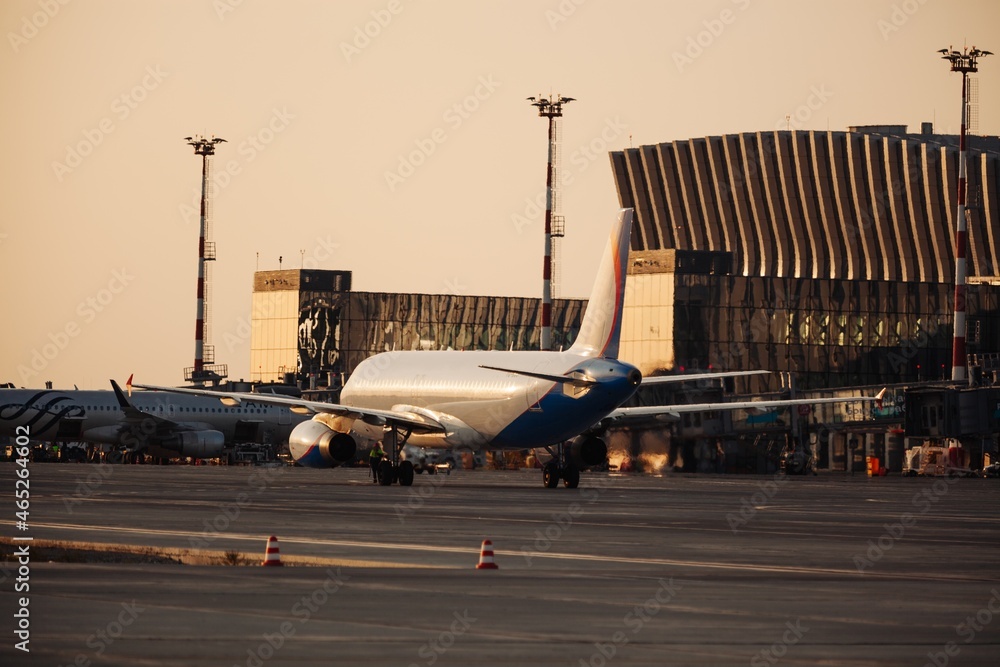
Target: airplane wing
[[563, 379], [417, 422], [676, 410], [658, 379], [694, 377]]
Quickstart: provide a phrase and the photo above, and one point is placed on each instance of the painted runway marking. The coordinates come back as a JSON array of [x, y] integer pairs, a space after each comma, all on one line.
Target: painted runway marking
[[622, 560]]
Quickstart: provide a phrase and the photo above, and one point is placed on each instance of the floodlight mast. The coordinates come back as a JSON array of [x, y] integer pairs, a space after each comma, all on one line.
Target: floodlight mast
[[206, 253], [548, 107], [963, 61]]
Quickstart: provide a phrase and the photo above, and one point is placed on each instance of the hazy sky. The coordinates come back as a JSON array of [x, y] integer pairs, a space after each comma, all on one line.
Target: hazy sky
[[389, 138]]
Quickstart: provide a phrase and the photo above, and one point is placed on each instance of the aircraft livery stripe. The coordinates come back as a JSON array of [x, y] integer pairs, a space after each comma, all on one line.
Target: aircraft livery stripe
[[24, 407], [46, 417]]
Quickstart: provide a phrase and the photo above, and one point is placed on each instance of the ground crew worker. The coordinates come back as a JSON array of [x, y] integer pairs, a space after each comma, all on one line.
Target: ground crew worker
[[375, 459]]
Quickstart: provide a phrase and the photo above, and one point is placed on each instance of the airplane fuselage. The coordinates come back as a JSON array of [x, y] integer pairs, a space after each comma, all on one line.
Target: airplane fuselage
[[484, 407], [97, 417]]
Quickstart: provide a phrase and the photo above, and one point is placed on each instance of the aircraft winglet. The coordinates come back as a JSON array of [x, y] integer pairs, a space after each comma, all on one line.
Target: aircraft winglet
[[879, 396], [125, 404]]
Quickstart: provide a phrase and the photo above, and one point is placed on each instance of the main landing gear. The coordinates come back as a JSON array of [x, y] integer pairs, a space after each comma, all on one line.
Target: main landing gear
[[392, 470], [559, 467]]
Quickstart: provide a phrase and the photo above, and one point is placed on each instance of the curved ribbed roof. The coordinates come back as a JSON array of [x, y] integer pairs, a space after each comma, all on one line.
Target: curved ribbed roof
[[815, 204]]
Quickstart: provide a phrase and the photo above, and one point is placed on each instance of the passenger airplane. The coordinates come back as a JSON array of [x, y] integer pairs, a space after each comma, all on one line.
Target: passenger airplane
[[160, 424], [499, 400]]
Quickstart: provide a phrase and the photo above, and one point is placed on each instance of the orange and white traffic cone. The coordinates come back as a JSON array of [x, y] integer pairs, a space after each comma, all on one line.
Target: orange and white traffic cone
[[272, 556], [486, 557]]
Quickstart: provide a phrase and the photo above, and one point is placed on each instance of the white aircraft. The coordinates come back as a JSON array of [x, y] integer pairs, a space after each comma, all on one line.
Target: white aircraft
[[160, 424], [496, 400]]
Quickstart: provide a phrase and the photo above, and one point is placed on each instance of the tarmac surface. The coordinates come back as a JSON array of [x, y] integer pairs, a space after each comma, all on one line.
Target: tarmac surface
[[625, 570]]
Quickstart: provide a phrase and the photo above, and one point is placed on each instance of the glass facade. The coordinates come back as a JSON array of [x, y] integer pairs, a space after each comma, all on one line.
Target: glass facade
[[682, 313], [375, 322], [829, 333]]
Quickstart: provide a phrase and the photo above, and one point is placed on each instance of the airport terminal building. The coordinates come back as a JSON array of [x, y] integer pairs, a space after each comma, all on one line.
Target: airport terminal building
[[829, 255]]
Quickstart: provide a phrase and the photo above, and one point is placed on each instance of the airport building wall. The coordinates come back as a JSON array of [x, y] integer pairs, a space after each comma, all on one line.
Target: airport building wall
[[309, 325], [828, 333], [825, 254]]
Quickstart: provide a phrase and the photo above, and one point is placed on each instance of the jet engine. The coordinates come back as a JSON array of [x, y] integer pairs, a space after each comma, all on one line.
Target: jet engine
[[585, 451], [206, 444], [313, 444]]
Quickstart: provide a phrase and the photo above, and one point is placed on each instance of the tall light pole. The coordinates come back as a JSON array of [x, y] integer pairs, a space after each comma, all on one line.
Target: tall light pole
[[963, 61], [549, 107], [206, 253]]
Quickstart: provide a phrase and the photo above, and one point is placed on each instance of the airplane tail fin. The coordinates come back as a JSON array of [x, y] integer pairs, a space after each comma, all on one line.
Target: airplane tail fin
[[600, 331]]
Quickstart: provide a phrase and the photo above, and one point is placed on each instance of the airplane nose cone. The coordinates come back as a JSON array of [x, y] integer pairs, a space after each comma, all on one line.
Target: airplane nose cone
[[634, 377]]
